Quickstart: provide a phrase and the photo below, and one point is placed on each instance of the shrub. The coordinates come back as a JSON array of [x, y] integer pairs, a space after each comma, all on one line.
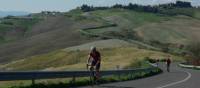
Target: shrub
[[8, 23], [194, 52], [150, 60]]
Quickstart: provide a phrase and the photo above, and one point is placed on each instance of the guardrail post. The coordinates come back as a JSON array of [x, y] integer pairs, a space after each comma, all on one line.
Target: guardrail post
[[119, 76], [140, 73], [72, 82], [131, 75], [33, 81], [73, 79]]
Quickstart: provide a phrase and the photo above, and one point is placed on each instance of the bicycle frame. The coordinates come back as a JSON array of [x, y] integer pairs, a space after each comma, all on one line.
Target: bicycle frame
[[92, 74]]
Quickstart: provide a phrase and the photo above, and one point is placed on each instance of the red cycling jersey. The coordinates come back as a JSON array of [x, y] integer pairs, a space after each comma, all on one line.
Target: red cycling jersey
[[95, 55], [168, 61]]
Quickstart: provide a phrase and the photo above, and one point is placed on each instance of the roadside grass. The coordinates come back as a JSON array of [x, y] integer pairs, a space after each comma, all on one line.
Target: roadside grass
[[17, 83], [138, 63], [86, 82]]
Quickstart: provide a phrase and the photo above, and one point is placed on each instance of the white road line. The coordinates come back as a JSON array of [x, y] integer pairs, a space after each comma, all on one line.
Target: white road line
[[174, 83]]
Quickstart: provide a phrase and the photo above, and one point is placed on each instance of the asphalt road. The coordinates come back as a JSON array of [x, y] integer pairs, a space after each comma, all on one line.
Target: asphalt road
[[177, 78]]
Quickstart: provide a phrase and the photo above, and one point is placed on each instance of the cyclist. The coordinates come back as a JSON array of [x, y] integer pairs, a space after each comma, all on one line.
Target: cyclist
[[94, 60], [168, 62]]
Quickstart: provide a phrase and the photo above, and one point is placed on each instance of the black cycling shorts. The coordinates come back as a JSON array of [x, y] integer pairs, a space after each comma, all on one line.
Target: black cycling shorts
[[97, 67]]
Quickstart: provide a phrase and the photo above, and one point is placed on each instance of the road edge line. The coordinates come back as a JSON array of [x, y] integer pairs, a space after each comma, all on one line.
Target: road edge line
[[178, 82]]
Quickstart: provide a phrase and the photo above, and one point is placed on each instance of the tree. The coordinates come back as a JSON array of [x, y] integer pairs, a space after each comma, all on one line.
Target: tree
[[9, 17], [118, 6], [86, 8], [178, 8], [183, 4], [194, 51]]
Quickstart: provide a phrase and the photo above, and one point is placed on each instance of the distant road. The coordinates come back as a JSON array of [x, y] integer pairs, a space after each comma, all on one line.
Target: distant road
[[177, 78]]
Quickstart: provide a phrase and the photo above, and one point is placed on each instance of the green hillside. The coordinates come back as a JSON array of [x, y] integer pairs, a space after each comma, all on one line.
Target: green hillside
[[15, 28], [47, 32], [50, 41], [168, 29], [126, 36]]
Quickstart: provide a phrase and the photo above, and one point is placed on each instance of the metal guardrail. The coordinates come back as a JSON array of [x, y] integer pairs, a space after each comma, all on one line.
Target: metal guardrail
[[10, 76], [188, 66]]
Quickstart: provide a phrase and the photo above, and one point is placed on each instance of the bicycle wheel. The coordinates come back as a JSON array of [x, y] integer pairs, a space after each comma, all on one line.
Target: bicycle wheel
[[92, 76]]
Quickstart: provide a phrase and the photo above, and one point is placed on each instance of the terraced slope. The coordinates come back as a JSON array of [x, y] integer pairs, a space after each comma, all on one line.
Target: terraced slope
[[148, 26]]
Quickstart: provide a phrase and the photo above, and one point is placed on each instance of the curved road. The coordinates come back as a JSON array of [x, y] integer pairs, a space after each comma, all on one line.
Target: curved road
[[177, 78]]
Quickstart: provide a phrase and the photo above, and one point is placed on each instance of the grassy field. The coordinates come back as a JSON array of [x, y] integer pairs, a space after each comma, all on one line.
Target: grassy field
[[15, 28], [173, 31], [48, 35], [109, 43], [124, 19], [63, 30], [76, 60], [197, 13]]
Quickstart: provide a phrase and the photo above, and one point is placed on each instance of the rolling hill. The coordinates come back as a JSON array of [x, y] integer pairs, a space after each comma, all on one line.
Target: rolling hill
[[43, 36], [49, 34], [168, 29]]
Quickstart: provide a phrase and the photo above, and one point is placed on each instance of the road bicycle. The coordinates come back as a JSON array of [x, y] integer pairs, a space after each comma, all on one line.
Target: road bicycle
[[93, 76]]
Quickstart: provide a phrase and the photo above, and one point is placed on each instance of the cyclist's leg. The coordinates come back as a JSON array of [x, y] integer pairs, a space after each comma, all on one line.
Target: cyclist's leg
[[97, 71], [168, 67], [92, 75]]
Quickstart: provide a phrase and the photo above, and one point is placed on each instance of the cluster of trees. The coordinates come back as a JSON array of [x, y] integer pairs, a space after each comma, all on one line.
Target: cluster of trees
[[86, 8], [7, 23], [183, 4], [9, 17], [168, 9]]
